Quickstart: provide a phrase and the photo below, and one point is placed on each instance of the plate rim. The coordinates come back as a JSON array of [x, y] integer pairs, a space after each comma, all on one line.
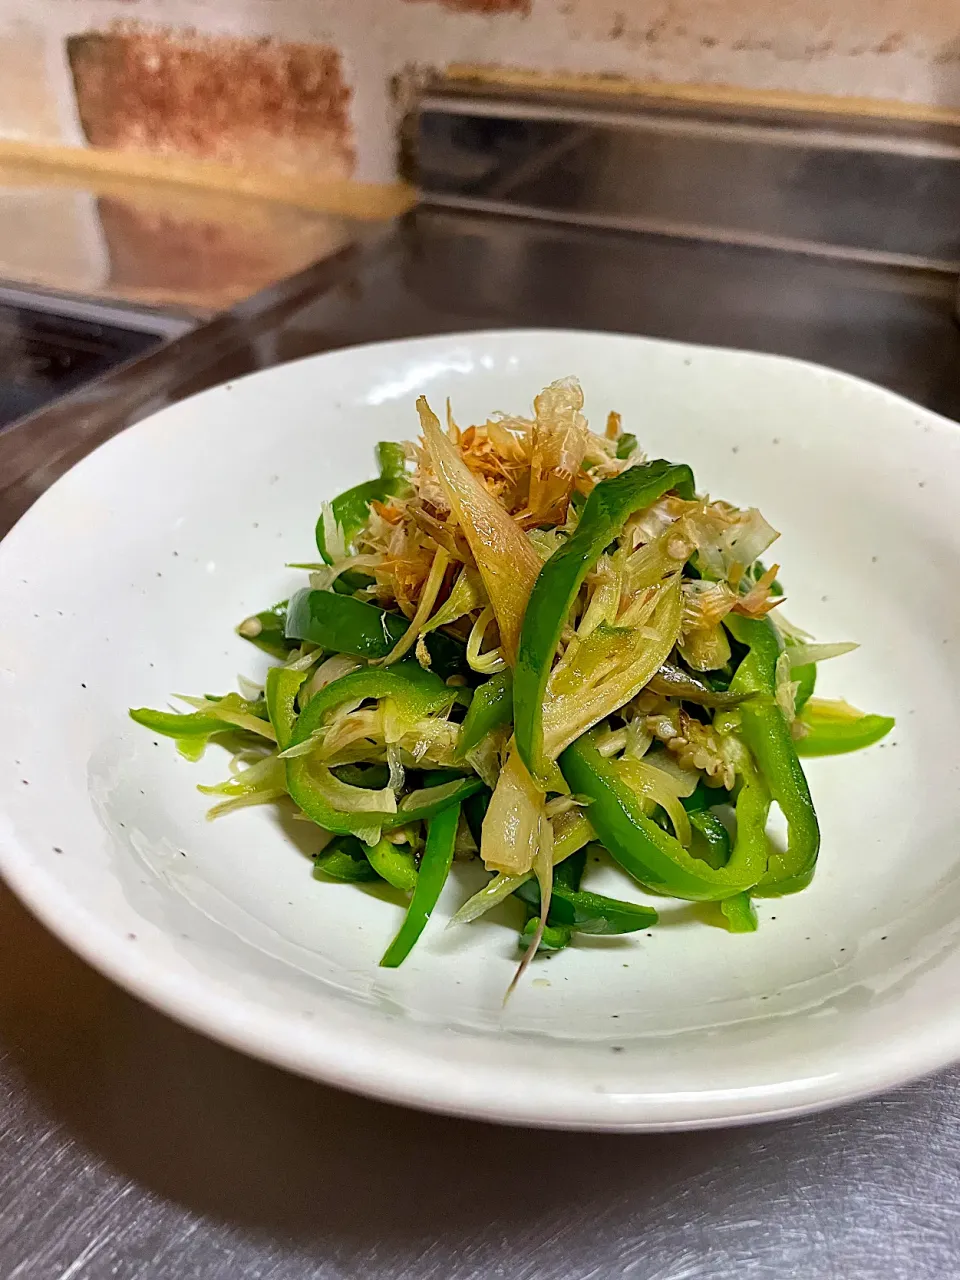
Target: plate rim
[[226, 1017]]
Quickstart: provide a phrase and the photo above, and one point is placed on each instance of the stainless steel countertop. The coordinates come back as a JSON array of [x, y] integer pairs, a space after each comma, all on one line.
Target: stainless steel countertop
[[130, 1147]]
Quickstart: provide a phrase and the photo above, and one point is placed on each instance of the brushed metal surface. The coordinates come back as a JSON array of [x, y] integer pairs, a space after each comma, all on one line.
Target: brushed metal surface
[[823, 186], [131, 1147]]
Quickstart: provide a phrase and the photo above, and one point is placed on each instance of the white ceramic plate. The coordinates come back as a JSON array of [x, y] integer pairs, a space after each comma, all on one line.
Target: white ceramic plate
[[123, 585]]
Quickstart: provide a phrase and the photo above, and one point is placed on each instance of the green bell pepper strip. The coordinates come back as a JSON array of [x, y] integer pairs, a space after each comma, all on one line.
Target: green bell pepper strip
[[554, 938], [608, 508], [434, 869], [439, 777], [342, 624], [393, 863], [193, 730], [831, 732], [351, 509], [391, 460], [704, 798], [343, 859], [715, 835], [280, 691], [805, 678], [174, 724], [652, 856], [267, 630], [767, 734], [490, 709], [568, 874], [586, 912], [416, 693], [739, 913]]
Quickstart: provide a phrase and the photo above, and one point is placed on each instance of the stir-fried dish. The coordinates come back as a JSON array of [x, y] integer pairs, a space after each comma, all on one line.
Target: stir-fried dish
[[524, 642]]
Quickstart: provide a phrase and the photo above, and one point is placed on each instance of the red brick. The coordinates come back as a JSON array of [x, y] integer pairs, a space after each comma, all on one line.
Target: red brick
[[248, 103]]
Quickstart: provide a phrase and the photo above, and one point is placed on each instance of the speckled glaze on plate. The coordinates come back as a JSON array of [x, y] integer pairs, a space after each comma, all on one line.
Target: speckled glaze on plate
[[123, 584]]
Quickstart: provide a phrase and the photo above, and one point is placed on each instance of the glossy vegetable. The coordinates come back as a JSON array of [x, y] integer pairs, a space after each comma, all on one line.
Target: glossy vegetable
[[344, 859], [805, 677], [554, 936], [512, 826], [607, 509], [739, 913], [434, 869], [832, 728], [649, 854], [490, 709], [673, 682], [342, 624], [267, 630], [281, 689], [412, 694], [767, 734], [175, 724], [351, 509], [193, 730], [585, 912], [393, 863], [570, 833], [715, 836]]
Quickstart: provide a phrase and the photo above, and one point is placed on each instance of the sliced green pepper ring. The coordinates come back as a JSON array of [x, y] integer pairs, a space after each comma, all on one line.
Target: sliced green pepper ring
[[415, 694], [652, 856], [768, 735]]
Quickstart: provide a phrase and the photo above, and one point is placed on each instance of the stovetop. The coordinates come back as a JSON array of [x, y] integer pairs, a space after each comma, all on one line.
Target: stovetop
[[44, 355]]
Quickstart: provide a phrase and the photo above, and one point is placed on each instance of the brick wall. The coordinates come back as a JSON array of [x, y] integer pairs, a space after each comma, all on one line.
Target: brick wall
[[303, 87]]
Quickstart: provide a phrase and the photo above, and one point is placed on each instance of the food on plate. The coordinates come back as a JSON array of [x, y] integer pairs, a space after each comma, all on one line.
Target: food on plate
[[525, 642]]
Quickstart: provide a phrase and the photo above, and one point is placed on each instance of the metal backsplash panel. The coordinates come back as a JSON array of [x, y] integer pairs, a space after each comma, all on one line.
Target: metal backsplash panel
[[869, 190]]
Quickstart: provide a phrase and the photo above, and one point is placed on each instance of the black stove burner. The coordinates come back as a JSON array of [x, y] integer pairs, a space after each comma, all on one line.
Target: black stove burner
[[43, 356]]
